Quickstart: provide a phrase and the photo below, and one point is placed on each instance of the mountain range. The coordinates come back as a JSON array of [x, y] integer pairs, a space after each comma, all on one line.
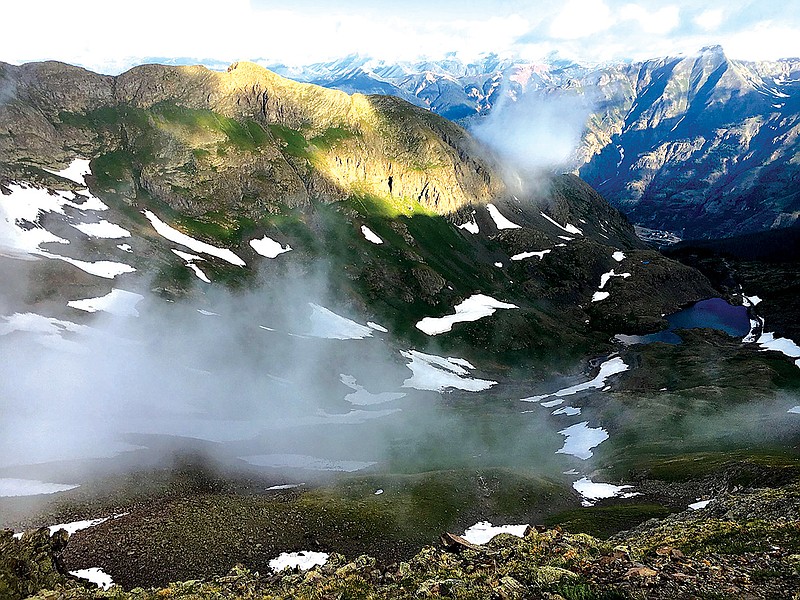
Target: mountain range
[[702, 146], [245, 317]]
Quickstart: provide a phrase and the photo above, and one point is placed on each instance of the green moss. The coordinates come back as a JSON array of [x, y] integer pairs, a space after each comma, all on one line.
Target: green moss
[[605, 521], [329, 138], [293, 142], [386, 206], [246, 136], [113, 168]]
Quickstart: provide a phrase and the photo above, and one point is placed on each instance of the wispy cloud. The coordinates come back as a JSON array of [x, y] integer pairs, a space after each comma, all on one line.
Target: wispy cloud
[[111, 36]]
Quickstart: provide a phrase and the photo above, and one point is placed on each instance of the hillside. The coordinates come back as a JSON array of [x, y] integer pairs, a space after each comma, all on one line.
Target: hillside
[[743, 545], [229, 157]]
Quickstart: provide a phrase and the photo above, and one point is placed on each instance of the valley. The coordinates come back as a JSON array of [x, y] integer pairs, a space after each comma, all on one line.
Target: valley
[[246, 317]]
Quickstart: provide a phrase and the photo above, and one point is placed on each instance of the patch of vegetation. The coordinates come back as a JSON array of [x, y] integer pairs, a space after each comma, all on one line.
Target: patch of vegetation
[[386, 206], [329, 138], [605, 521], [293, 143], [113, 168], [245, 136]]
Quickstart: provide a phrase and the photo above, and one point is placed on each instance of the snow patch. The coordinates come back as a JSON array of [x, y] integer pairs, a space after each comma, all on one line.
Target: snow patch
[[610, 367], [569, 411], [605, 277], [471, 226], [75, 526], [102, 268], [49, 331], [795, 410], [116, 302], [301, 560], [103, 229], [190, 258], [125, 247], [377, 327], [699, 505], [370, 235], [361, 397], [552, 403], [524, 255], [568, 228], [76, 171], [284, 486], [436, 373], [581, 439], [499, 220], [481, 533], [10, 487], [96, 575], [751, 300], [198, 272], [598, 296], [592, 491], [173, 235], [473, 308], [768, 341], [268, 247], [327, 324], [618, 256]]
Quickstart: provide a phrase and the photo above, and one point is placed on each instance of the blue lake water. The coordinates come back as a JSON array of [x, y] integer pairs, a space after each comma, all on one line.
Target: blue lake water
[[715, 313]]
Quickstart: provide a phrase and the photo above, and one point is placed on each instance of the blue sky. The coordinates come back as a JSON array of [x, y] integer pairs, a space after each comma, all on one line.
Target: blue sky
[[111, 36]]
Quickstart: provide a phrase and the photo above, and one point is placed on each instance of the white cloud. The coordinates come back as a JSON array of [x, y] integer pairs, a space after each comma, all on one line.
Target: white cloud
[[201, 29], [581, 18], [111, 36], [765, 41], [710, 20], [658, 22]]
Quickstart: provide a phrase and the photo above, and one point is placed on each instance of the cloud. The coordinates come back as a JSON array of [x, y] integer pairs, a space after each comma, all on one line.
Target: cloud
[[581, 18], [535, 132], [710, 20], [766, 40], [111, 37], [658, 22]]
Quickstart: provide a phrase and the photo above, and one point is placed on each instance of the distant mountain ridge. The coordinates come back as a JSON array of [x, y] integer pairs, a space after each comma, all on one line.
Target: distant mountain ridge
[[704, 145]]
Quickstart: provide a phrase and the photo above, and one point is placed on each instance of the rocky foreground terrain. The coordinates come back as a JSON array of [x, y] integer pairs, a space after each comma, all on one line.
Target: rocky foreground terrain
[[744, 545]]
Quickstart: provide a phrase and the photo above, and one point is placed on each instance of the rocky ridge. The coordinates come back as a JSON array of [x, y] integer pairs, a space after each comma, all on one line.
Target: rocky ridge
[[353, 143]]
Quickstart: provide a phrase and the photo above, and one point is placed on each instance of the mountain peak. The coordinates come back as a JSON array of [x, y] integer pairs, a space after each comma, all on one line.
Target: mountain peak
[[713, 50]]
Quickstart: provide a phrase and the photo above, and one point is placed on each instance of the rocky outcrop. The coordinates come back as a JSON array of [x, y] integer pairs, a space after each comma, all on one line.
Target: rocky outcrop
[[32, 563]]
